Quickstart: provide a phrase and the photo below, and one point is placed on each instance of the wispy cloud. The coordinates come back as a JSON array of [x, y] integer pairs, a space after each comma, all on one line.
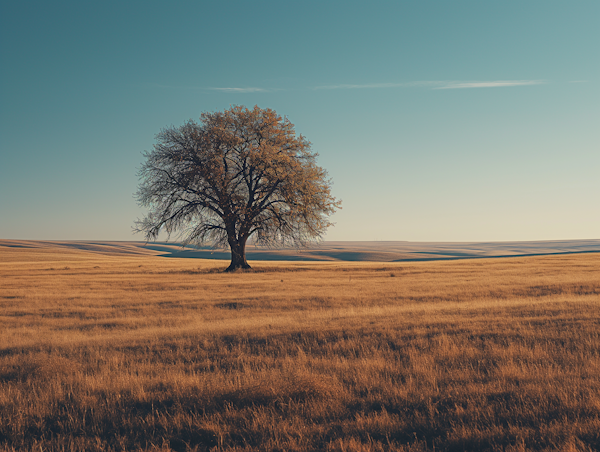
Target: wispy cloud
[[438, 84], [492, 84], [224, 90], [240, 90], [432, 84]]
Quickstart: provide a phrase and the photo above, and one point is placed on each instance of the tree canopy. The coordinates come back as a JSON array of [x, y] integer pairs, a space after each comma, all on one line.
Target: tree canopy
[[236, 174]]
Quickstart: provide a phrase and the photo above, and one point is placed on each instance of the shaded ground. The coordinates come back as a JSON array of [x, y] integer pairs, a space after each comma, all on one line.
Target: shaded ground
[[333, 251]]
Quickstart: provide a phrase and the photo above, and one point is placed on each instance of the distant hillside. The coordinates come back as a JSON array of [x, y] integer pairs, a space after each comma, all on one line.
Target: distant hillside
[[330, 251]]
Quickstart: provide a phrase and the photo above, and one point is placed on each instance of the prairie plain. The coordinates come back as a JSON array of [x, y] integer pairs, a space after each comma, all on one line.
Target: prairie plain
[[107, 350]]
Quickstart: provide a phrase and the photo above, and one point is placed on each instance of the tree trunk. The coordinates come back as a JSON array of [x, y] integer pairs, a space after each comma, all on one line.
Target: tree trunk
[[238, 255]]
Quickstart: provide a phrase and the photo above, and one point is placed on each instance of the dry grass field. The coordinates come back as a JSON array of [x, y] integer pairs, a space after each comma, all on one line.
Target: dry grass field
[[108, 352]]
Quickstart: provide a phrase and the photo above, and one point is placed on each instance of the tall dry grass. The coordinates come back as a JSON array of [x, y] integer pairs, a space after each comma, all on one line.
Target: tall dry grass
[[125, 353]]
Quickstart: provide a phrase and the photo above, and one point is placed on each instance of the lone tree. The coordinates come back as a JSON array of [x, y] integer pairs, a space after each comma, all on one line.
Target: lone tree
[[236, 174]]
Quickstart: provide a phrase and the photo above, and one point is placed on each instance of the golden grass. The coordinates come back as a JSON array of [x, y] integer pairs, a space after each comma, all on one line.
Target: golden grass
[[116, 353]]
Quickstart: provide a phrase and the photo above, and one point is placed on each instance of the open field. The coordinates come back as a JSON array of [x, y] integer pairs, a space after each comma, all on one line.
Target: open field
[[108, 351]]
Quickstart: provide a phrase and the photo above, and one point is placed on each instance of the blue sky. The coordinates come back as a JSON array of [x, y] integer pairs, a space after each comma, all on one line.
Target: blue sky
[[437, 120]]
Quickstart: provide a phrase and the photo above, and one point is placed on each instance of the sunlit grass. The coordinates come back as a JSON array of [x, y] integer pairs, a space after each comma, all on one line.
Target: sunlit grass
[[144, 353]]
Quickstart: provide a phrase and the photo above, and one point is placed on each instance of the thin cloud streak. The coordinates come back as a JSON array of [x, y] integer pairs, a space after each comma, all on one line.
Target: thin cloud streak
[[437, 84], [225, 90], [494, 84]]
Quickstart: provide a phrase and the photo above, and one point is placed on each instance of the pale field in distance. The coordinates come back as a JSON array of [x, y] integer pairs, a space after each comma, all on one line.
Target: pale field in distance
[[118, 352]]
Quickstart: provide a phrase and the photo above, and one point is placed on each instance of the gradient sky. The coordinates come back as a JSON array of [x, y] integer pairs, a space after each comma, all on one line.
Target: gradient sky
[[437, 120]]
